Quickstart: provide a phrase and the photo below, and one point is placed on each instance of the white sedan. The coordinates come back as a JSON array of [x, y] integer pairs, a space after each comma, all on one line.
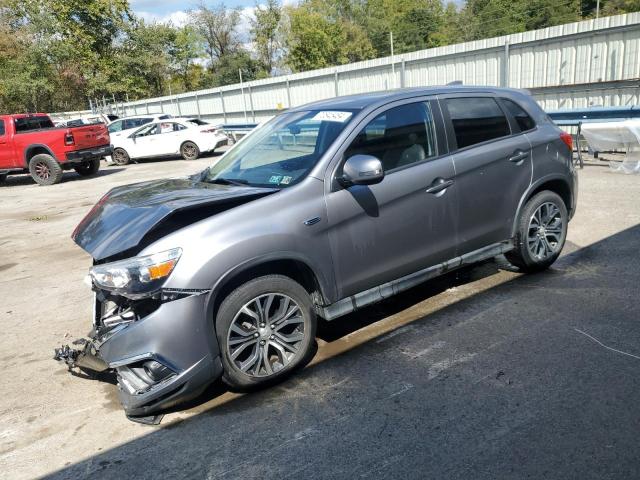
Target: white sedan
[[186, 137]]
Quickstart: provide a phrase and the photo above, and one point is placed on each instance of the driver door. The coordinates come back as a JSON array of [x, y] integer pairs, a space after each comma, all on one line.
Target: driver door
[[391, 229]]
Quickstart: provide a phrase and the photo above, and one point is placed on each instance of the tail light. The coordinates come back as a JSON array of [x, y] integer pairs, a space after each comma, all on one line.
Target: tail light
[[210, 130], [68, 139], [567, 139]]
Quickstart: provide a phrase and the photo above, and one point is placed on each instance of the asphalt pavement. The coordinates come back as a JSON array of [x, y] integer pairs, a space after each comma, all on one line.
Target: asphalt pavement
[[536, 377], [483, 373]]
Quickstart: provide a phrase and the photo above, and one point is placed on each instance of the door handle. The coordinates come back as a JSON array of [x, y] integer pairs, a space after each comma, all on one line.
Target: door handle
[[518, 157], [438, 185]]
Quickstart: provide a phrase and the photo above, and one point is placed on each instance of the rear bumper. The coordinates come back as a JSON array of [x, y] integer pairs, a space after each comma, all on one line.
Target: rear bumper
[[216, 142], [163, 359], [79, 156]]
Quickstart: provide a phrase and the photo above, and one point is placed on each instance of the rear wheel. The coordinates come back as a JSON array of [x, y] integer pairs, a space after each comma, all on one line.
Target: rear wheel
[[45, 170], [120, 156], [266, 329], [189, 151], [88, 168], [542, 231]]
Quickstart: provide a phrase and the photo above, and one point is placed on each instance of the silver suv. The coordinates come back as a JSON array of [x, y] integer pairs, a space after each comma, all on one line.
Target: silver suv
[[322, 210]]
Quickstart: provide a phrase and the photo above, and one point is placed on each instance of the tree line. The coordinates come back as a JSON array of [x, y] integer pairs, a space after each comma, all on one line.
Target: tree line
[[55, 55]]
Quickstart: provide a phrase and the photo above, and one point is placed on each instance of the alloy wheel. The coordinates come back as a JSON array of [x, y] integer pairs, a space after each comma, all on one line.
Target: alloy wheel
[[120, 157], [265, 335], [189, 150], [546, 230], [42, 170]]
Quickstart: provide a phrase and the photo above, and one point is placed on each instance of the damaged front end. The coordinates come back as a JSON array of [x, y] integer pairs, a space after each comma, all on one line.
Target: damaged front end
[[159, 341], [149, 343]]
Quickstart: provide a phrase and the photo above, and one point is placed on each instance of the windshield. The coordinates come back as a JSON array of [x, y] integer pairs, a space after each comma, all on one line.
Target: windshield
[[281, 152]]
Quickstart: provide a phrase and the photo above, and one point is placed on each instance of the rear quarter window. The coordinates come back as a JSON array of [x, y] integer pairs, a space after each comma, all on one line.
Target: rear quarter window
[[2, 131], [524, 121], [26, 124], [476, 120]]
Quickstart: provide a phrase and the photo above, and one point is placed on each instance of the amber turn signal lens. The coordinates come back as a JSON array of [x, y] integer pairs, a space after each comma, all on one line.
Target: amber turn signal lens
[[161, 270]]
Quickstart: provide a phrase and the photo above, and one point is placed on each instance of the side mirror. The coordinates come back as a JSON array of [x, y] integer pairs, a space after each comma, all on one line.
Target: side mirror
[[362, 170]]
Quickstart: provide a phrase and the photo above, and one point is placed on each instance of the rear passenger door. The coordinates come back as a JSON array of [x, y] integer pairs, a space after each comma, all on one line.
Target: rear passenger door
[[492, 160]]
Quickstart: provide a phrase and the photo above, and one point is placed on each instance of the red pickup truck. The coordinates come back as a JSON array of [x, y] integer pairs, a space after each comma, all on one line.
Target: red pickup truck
[[30, 143]]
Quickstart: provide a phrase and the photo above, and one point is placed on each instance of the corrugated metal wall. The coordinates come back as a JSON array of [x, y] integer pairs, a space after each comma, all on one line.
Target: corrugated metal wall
[[594, 62]]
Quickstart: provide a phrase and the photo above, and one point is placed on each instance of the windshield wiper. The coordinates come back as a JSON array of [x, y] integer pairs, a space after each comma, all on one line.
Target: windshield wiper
[[230, 181]]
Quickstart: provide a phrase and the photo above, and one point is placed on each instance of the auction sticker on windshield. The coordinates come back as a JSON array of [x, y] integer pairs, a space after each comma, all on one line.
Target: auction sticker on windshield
[[332, 116]]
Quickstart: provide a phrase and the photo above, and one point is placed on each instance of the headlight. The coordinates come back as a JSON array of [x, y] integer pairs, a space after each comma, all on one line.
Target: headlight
[[136, 277]]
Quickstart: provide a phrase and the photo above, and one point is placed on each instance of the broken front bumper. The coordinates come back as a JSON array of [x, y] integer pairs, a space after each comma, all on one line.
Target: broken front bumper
[[163, 358]]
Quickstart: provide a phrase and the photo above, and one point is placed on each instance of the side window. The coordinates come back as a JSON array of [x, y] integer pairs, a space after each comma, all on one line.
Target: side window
[[170, 127], [399, 137], [115, 127], [476, 120], [26, 124], [148, 130], [129, 123], [524, 121], [1, 128]]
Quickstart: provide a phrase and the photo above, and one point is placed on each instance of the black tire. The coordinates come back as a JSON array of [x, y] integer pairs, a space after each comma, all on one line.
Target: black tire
[[3, 177], [189, 151], [45, 170], [230, 308], [88, 168], [120, 156], [530, 237]]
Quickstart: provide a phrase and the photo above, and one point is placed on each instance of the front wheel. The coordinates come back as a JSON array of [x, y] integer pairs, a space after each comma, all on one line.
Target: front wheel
[[45, 170], [88, 168], [189, 151], [266, 329], [542, 231]]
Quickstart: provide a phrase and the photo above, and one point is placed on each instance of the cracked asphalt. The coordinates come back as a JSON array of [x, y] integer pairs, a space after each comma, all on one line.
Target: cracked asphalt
[[483, 373]]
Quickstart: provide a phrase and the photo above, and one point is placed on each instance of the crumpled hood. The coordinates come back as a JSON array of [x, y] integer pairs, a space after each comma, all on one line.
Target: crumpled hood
[[125, 215]]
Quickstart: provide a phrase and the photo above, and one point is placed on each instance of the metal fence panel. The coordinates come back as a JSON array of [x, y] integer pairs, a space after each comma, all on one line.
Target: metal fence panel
[[566, 66]]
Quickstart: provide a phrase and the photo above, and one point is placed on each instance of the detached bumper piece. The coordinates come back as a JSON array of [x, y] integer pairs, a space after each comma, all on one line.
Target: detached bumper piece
[[151, 346], [86, 358]]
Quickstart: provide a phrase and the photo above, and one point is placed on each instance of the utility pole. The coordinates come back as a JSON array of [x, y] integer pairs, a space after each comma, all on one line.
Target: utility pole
[[244, 103], [597, 9], [393, 66]]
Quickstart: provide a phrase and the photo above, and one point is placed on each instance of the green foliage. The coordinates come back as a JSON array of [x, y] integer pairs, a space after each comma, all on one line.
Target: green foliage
[[227, 69], [217, 27], [55, 55], [413, 23], [616, 7], [317, 40], [266, 30]]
